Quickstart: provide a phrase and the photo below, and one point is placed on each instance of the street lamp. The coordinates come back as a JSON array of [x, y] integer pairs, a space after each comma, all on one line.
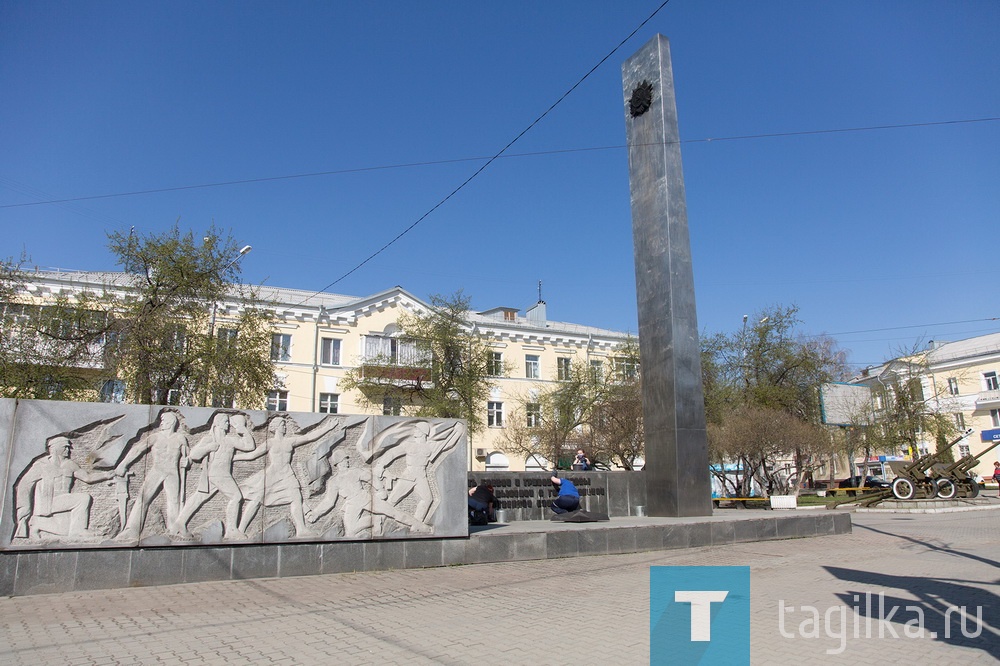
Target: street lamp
[[243, 252], [215, 307]]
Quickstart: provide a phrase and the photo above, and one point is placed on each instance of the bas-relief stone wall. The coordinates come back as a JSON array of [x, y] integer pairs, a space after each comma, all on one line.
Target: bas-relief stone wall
[[94, 475]]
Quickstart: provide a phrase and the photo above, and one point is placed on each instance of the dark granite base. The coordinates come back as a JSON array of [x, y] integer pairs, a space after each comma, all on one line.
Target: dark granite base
[[40, 572]]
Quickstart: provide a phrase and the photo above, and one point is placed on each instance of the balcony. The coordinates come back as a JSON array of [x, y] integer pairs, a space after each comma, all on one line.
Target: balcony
[[399, 375], [988, 398]]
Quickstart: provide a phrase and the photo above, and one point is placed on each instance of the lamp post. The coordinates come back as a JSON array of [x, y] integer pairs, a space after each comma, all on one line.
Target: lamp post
[[215, 306]]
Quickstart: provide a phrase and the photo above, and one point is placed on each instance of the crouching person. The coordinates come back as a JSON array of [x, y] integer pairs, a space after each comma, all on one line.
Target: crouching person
[[568, 498], [482, 504]]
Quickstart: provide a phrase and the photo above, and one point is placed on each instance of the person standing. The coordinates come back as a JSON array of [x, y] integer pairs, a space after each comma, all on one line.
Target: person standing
[[568, 498], [996, 473]]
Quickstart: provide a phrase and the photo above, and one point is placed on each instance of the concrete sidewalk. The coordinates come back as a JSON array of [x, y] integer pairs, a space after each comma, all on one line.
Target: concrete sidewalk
[[583, 610]]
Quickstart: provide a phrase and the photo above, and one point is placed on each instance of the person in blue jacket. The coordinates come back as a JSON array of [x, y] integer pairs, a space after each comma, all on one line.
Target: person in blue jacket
[[569, 497]]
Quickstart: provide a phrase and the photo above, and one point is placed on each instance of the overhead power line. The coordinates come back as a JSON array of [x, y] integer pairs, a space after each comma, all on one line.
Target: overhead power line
[[900, 328], [496, 156], [481, 158]]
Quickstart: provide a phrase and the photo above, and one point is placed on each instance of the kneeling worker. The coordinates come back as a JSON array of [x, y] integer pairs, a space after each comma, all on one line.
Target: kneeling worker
[[569, 497], [481, 498]]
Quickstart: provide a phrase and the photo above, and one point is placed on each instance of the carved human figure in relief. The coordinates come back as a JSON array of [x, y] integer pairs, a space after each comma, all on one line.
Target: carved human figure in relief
[[348, 484], [276, 484], [45, 503], [167, 446], [420, 444], [227, 435]]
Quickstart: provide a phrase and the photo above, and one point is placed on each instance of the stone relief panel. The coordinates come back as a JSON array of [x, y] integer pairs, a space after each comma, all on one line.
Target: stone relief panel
[[119, 475]]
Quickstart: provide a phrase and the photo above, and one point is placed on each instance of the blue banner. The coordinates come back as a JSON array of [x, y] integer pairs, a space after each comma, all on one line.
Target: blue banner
[[990, 435]]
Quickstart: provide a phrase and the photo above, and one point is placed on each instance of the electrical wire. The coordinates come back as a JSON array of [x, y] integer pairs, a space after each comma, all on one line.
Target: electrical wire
[[495, 157], [459, 160]]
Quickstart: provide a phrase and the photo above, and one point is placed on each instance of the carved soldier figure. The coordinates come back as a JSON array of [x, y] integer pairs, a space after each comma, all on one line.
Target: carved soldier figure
[[226, 436], [45, 501], [276, 484], [168, 448]]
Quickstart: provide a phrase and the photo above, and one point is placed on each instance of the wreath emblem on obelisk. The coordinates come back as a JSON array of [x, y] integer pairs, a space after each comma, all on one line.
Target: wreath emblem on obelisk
[[642, 99]]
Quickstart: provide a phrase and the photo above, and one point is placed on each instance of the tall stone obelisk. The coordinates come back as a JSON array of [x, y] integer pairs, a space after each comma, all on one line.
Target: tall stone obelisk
[[673, 408]]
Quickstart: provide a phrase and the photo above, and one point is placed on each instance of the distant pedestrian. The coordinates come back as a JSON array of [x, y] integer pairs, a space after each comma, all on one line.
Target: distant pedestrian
[[569, 497], [996, 473], [581, 461]]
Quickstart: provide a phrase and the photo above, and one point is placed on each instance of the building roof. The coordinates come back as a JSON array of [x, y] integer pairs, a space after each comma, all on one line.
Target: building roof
[[304, 299], [969, 348]]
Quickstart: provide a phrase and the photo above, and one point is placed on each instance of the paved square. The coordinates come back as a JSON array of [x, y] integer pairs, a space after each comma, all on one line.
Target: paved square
[[587, 610]]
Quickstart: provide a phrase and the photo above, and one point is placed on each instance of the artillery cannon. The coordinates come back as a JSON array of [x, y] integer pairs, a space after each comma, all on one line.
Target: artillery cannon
[[955, 478], [920, 477]]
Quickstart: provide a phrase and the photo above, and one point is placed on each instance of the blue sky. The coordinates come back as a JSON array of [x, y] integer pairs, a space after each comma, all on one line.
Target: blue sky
[[863, 230]]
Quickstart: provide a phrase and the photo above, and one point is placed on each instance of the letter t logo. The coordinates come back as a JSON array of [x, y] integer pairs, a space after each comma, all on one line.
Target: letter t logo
[[701, 610]]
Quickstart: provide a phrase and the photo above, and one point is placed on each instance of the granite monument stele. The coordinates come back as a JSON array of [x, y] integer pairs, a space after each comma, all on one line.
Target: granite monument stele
[[677, 471]]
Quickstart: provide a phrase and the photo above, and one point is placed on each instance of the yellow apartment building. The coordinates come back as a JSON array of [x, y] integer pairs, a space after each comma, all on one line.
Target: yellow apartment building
[[319, 337], [959, 379]]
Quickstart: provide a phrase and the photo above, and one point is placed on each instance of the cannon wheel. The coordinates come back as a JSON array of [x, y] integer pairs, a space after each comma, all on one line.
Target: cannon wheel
[[903, 488], [973, 489], [945, 489]]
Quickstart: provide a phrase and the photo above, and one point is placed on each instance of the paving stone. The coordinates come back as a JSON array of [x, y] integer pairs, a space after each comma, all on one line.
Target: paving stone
[[425, 616]]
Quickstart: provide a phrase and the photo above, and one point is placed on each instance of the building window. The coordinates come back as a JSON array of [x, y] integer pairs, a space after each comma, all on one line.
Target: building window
[[627, 368], [277, 401], [563, 369], [532, 367], [960, 420], [990, 379], [226, 339], [173, 397], [494, 366], [113, 390], [497, 462], [281, 347], [330, 352], [329, 403], [536, 463], [224, 400], [534, 412], [596, 370], [391, 406], [394, 351], [995, 416], [494, 414], [953, 386], [175, 339]]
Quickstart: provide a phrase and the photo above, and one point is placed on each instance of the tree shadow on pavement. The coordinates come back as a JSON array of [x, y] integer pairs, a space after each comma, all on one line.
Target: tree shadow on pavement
[[943, 602], [948, 611]]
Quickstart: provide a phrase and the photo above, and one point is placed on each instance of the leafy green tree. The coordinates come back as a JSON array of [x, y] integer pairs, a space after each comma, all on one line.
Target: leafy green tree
[[49, 352], [746, 445], [615, 419], [450, 375], [901, 415], [758, 373], [599, 411], [167, 338]]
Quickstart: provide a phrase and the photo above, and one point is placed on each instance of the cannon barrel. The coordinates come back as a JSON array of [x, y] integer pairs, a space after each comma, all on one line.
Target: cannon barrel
[[968, 462], [924, 462]]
